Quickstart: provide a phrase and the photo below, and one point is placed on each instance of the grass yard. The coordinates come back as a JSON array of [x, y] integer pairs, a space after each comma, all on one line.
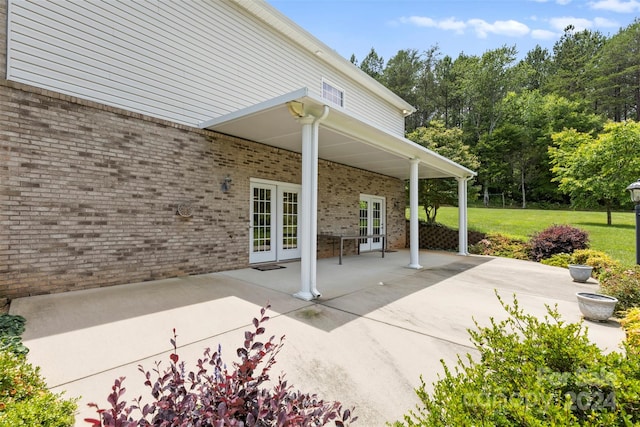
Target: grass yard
[[616, 240]]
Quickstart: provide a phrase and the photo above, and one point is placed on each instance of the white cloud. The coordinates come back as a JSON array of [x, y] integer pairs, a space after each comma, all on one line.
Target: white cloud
[[563, 22], [481, 27], [580, 24], [452, 24], [505, 28], [560, 2], [445, 24], [544, 35], [619, 6], [605, 23], [420, 21]]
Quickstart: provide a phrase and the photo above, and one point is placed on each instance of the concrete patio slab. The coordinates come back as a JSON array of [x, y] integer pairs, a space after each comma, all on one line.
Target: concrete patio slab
[[377, 327]]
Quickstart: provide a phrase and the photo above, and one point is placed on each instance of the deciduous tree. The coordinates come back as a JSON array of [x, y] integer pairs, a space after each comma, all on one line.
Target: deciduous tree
[[595, 170]]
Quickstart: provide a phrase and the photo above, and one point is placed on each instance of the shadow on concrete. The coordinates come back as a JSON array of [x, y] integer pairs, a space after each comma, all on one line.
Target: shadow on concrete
[[356, 284]]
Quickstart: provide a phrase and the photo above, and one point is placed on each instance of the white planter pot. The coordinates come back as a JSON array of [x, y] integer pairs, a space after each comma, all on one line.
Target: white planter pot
[[596, 306], [580, 273]]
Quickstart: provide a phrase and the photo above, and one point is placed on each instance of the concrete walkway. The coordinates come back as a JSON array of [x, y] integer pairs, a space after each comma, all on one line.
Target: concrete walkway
[[376, 329]]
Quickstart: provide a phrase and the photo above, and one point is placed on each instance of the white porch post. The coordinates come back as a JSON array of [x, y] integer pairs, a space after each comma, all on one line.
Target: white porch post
[[314, 200], [306, 282], [309, 207], [462, 217], [414, 228]]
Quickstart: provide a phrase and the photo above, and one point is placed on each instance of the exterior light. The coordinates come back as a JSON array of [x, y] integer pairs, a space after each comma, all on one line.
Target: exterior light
[[296, 108], [634, 189], [226, 183]]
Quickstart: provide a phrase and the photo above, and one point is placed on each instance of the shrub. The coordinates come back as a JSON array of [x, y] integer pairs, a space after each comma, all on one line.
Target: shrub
[[631, 325], [214, 396], [600, 261], [11, 329], [557, 239], [533, 371], [24, 398], [496, 244], [558, 260], [623, 284]]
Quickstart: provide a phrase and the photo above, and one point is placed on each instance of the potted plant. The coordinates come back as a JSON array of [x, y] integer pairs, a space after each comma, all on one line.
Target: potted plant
[[580, 272], [596, 306]]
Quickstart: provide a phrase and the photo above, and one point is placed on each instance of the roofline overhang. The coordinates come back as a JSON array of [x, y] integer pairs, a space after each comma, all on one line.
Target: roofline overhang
[[365, 132]]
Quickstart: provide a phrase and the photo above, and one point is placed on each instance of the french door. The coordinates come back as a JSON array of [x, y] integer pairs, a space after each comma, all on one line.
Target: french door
[[274, 233], [372, 213]]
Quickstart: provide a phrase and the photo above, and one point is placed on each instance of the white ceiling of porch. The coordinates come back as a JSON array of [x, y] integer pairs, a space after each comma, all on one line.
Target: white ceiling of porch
[[341, 139]]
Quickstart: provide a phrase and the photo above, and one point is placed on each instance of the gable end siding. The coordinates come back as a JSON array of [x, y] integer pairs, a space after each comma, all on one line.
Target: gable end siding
[[185, 62]]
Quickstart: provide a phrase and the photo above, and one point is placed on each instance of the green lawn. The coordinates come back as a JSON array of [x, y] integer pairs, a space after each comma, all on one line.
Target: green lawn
[[617, 240]]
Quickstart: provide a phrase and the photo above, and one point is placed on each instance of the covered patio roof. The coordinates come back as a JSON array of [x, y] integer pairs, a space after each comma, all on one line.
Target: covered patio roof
[[343, 138]]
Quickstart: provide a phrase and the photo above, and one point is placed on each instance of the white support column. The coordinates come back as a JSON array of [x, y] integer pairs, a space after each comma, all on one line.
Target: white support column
[[414, 227], [308, 225], [314, 201], [463, 243], [306, 282]]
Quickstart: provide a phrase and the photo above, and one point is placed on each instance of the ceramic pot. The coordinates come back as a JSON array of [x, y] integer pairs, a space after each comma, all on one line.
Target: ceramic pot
[[579, 272], [596, 306]]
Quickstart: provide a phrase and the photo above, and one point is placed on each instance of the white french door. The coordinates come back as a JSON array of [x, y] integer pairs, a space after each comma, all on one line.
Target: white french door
[[372, 213], [274, 233]]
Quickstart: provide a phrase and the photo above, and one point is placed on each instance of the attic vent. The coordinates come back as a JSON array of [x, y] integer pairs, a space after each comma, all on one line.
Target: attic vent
[[332, 93]]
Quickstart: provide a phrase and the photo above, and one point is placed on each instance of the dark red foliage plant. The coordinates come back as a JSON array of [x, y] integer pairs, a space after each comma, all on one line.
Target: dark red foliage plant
[[558, 239], [215, 396]]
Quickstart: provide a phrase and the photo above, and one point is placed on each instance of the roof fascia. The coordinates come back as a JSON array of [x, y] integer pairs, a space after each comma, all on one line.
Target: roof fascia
[[256, 108]]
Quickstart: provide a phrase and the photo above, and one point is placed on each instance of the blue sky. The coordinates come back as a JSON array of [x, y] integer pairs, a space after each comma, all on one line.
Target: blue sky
[[469, 26]]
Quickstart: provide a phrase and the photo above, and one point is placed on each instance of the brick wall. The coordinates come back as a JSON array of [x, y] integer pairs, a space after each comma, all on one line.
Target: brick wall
[[89, 193]]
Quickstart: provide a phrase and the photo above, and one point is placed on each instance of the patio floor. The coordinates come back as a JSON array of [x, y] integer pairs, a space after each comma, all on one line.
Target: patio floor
[[377, 327]]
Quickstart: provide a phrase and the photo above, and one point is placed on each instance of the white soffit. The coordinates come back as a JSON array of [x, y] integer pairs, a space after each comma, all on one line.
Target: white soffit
[[342, 138]]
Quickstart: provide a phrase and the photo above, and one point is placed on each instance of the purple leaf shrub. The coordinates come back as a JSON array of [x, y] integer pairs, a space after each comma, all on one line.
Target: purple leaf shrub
[[213, 395], [558, 239]]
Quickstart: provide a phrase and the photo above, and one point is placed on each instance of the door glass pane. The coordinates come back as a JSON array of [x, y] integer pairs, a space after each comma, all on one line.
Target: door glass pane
[[289, 220], [364, 220], [376, 217], [262, 206]]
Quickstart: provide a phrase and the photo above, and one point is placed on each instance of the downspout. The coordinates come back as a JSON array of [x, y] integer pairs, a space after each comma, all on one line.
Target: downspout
[[314, 201]]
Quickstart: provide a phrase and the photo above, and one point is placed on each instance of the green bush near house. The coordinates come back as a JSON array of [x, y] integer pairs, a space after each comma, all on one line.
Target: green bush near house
[[631, 325], [600, 261], [501, 245], [623, 284], [558, 260], [11, 329], [24, 397], [534, 372]]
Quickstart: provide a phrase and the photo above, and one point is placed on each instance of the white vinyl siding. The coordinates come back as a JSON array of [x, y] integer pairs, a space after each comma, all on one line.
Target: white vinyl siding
[[186, 62]]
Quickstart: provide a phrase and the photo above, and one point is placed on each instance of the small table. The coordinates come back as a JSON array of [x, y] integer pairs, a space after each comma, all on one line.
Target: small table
[[355, 237]]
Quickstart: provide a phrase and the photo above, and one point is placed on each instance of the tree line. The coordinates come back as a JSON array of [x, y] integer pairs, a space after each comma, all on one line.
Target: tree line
[[508, 119]]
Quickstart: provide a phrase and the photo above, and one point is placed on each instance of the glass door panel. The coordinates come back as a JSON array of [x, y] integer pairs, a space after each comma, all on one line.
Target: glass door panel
[[275, 211], [371, 221], [289, 207], [262, 223]]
